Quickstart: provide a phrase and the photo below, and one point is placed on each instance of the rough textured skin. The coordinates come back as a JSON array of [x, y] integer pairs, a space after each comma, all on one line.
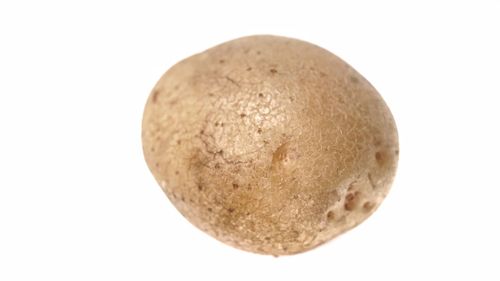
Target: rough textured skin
[[270, 144]]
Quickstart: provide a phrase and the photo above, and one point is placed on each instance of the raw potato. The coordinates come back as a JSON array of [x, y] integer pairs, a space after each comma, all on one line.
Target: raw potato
[[270, 144]]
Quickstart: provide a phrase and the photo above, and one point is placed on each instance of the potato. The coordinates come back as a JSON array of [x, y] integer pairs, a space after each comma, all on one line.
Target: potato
[[270, 144]]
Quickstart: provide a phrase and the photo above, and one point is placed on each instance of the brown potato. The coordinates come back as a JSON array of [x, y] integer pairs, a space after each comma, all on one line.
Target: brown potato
[[270, 144]]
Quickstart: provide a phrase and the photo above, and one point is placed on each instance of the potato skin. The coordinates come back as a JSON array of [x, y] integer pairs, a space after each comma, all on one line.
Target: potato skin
[[270, 144]]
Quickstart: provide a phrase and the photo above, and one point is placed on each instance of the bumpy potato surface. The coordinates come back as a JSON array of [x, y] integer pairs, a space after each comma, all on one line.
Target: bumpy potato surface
[[270, 144]]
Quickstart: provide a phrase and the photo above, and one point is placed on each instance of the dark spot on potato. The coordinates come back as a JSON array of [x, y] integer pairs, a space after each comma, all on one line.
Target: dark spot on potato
[[379, 156], [230, 210], [210, 94], [261, 95], [349, 197], [235, 186], [179, 142], [243, 115], [153, 149], [232, 81], [267, 238], [280, 154], [217, 166], [396, 152], [258, 52], [209, 209], [154, 97], [183, 199], [291, 99], [354, 79], [157, 164], [176, 172], [222, 61], [249, 69], [330, 216], [259, 130], [322, 74], [368, 206], [351, 201], [273, 71], [370, 179], [200, 187]]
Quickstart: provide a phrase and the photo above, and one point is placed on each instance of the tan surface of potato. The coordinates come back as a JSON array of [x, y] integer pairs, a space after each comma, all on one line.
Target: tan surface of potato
[[270, 144]]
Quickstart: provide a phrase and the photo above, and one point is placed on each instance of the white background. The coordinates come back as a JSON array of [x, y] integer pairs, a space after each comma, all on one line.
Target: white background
[[77, 201]]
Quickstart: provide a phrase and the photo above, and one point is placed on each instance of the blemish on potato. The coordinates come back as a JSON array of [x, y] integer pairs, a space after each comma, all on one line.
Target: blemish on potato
[[380, 157], [330, 216], [280, 154], [370, 180], [154, 95], [351, 201], [368, 206]]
